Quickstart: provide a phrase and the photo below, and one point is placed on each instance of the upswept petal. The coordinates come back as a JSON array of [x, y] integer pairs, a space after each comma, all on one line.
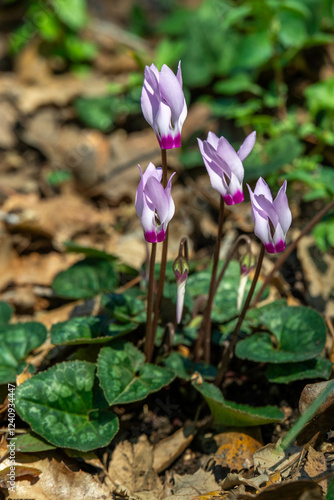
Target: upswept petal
[[171, 92], [263, 188], [247, 146], [152, 171], [235, 187], [279, 235], [151, 80], [147, 218], [156, 194], [147, 105], [262, 229], [213, 140], [281, 206], [162, 121], [267, 208], [171, 209], [228, 154], [179, 74], [216, 161]]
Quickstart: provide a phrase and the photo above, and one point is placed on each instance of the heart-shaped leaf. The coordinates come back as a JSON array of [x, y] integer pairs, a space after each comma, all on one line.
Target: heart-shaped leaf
[[184, 368], [125, 377], [239, 415], [225, 302], [31, 443], [16, 342], [299, 332], [88, 330], [65, 406], [85, 279], [289, 372]]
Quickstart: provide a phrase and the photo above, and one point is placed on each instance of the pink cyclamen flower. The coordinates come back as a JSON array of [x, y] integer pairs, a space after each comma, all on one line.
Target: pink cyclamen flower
[[154, 204], [272, 219], [163, 104], [224, 165]]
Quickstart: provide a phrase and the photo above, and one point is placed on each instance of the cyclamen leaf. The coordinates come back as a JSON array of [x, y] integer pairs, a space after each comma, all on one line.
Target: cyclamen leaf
[[125, 377], [87, 278], [16, 342], [239, 415], [300, 333], [64, 405]]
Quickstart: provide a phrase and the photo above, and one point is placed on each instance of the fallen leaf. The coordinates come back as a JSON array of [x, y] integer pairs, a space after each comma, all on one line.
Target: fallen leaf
[[272, 459], [58, 482], [289, 490], [234, 479], [184, 487], [131, 469], [170, 448], [236, 450]]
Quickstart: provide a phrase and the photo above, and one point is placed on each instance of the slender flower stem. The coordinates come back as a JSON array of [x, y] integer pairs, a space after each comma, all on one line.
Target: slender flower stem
[[204, 334], [233, 340], [291, 248], [149, 341], [230, 255], [163, 256]]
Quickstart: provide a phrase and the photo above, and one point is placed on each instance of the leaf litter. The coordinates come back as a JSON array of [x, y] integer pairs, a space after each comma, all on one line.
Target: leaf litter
[[35, 222]]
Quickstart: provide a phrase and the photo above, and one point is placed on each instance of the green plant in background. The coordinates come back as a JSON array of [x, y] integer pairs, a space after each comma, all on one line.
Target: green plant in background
[[58, 23], [247, 57]]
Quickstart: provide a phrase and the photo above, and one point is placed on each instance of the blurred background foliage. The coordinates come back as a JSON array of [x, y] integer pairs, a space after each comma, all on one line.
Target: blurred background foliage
[[264, 65]]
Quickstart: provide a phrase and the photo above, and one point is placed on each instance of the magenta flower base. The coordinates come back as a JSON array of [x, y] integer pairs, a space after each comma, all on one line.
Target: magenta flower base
[[279, 247], [152, 237], [238, 197], [170, 142]]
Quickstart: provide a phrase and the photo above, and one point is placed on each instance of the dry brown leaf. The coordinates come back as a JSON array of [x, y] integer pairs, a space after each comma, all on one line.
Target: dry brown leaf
[[185, 487], [57, 90], [212, 495], [236, 449], [58, 482], [315, 465], [289, 490], [58, 218], [83, 152], [234, 479], [169, 449], [271, 459], [131, 469]]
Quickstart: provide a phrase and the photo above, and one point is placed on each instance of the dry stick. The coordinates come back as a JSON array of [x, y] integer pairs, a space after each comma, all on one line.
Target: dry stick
[[149, 341], [291, 248], [163, 260], [230, 347], [204, 334]]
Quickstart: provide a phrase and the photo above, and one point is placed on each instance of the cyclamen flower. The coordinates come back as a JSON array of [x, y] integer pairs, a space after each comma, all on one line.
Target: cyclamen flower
[[163, 104], [272, 219], [154, 204], [224, 165]]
